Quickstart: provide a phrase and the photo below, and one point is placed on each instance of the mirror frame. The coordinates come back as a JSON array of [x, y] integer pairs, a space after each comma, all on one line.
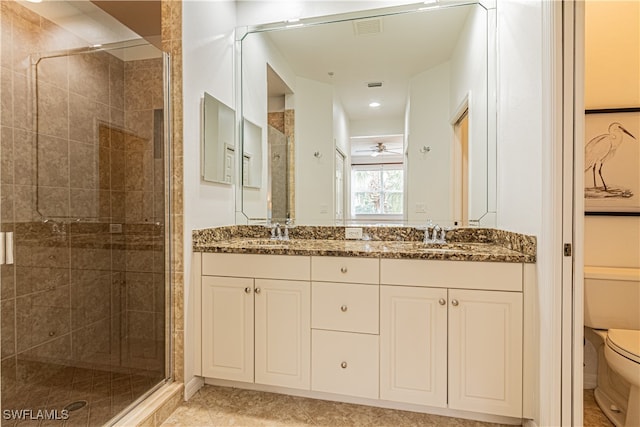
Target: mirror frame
[[489, 216]]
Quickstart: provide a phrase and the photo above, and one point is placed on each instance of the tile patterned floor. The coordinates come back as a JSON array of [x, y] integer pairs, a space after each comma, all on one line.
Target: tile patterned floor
[[593, 416], [222, 406]]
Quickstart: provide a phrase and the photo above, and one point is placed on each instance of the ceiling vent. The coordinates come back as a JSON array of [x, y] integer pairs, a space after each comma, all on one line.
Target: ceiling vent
[[366, 27], [374, 84]]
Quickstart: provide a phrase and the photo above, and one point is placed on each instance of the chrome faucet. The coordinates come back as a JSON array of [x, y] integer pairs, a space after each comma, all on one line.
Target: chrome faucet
[[287, 225], [276, 232], [438, 235]]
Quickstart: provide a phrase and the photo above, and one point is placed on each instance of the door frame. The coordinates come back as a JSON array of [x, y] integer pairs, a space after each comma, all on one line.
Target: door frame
[[560, 331]]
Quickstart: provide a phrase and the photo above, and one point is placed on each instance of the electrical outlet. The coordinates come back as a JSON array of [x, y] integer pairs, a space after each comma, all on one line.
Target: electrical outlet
[[115, 228], [353, 233], [421, 208]]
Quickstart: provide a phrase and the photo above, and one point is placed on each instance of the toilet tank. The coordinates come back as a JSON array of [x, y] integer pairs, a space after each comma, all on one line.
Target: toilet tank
[[612, 298]]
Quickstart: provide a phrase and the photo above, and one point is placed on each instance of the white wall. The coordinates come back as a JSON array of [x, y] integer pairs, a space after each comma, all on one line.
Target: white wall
[[469, 81], [207, 47], [429, 125], [521, 202], [314, 133], [612, 70]]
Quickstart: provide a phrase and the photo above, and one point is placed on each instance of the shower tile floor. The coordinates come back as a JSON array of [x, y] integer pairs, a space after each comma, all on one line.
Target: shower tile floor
[[223, 406], [106, 393]]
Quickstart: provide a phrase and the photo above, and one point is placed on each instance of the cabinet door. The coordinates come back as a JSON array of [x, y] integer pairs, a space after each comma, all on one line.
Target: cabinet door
[[413, 345], [485, 352], [283, 333], [227, 328]]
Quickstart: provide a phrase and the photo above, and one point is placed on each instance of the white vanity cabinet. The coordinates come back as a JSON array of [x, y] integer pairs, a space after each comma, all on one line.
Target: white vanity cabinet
[[275, 314], [413, 345], [485, 351], [404, 333], [345, 325], [227, 328], [448, 338]]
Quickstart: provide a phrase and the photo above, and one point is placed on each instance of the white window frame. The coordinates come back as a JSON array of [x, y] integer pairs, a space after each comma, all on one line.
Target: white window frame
[[379, 167]]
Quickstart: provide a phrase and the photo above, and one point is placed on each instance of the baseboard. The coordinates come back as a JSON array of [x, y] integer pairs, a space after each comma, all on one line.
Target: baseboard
[[155, 408], [590, 381], [192, 387]]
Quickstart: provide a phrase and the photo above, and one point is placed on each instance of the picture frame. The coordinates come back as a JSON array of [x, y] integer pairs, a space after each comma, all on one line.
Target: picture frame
[[612, 162]]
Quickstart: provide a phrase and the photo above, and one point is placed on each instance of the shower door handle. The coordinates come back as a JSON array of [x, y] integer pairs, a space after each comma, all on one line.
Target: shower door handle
[[2, 251], [8, 247]]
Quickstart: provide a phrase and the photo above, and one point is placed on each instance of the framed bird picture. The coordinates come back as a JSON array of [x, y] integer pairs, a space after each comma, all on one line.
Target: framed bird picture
[[612, 162]]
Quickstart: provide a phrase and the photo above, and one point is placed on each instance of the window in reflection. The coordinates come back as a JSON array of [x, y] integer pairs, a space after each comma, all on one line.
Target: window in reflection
[[377, 189]]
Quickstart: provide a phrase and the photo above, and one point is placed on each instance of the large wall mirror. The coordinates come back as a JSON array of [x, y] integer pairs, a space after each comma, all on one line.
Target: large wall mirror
[[385, 116]]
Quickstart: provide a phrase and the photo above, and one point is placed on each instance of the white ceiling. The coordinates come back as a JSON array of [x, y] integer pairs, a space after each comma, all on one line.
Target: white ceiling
[[407, 45]]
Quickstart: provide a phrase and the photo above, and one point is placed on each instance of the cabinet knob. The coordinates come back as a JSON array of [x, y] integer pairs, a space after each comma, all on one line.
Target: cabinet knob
[[441, 301], [343, 365], [343, 269], [454, 303], [247, 290], [258, 290], [343, 308]]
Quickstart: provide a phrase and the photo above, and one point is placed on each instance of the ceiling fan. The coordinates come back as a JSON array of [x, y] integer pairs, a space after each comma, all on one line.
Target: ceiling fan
[[378, 149]]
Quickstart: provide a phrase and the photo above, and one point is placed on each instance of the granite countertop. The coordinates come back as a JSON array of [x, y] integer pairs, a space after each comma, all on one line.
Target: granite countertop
[[469, 244]]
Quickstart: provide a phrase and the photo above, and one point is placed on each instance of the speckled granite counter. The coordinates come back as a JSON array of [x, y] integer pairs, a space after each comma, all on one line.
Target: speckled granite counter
[[463, 244]]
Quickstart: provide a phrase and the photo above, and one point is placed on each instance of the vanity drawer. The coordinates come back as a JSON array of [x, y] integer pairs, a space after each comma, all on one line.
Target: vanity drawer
[[498, 276], [345, 307], [344, 363], [283, 267], [345, 269]]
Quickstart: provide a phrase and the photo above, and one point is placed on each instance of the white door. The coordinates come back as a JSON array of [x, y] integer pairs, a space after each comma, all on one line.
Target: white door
[[283, 333], [413, 345], [227, 328], [485, 352], [339, 187]]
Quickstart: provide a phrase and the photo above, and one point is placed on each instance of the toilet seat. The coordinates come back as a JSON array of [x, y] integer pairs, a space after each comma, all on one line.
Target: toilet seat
[[625, 342]]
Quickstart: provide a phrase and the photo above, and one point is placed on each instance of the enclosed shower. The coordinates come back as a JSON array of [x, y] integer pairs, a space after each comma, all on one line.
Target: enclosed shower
[[84, 221]]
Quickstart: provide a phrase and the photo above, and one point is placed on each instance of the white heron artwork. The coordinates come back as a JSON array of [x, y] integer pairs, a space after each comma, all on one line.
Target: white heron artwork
[[597, 153]]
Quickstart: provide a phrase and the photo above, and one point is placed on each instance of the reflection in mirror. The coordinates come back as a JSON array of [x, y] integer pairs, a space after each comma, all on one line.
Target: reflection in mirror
[[218, 141], [251, 155], [394, 116]]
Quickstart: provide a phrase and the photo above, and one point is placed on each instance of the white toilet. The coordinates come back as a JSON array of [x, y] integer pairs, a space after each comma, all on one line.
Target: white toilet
[[612, 311]]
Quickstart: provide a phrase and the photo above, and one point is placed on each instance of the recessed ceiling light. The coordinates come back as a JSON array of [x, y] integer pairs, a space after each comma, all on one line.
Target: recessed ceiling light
[[430, 1], [34, 1], [374, 104]]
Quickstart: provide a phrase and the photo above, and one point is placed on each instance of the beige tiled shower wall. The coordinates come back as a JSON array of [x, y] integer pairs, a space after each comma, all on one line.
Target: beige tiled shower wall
[[80, 294]]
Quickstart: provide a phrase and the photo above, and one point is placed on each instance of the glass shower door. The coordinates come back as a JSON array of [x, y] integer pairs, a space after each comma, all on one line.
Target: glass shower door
[[84, 162]]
